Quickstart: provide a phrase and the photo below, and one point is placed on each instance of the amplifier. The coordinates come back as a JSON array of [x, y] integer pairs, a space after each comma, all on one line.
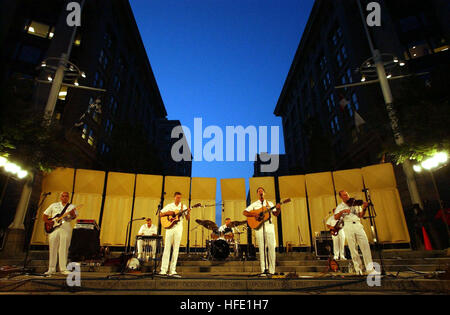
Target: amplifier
[[85, 244], [86, 224], [323, 246]]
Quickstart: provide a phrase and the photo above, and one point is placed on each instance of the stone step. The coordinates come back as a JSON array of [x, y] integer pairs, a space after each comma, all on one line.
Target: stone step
[[99, 284]]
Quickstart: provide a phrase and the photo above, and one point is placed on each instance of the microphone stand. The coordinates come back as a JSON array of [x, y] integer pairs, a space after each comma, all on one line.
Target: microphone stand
[[24, 270], [266, 270], [373, 226]]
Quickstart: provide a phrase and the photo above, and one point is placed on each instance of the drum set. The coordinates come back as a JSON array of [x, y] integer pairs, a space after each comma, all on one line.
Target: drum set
[[222, 243]]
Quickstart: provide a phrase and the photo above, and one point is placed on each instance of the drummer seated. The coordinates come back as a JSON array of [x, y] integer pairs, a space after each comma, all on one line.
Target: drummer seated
[[226, 230], [148, 229]]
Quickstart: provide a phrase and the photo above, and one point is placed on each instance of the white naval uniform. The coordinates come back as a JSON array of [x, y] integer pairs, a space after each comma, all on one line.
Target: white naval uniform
[[270, 237], [173, 238], [59, 239], [338, 240], [145, 230], [355, 234], [222, 229]]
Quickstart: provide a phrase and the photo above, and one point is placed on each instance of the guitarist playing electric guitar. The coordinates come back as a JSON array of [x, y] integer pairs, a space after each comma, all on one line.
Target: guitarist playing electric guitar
[[59, 239], [173, 233], [257, 211]]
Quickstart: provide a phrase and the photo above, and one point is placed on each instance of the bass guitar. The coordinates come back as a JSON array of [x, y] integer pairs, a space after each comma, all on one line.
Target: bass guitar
[[57, 221], [168, 222], [263, 213]]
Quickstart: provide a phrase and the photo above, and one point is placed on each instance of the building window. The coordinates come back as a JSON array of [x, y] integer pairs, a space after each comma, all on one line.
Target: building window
[[355, 102], [419, 49], [30, 54], [84, 132], [335, 128], [40, 30], [91, 138], [337, 36], [349, 76]]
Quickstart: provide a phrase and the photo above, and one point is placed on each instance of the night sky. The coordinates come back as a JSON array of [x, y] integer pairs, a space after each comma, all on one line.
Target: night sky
[[224, 61]]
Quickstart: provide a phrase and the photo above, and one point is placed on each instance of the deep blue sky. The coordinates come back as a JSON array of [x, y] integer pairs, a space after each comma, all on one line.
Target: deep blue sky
[[222, 60]]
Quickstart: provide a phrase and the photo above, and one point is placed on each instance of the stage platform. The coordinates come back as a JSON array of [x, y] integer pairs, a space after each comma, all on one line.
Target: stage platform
[[408, 272]]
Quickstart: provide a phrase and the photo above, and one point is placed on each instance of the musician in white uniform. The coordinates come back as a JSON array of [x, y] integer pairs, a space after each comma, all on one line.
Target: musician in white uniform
[[147, 229], [59, 239], [354, 232], [269, 232], [225, 228], [173, 235], [338, 240]]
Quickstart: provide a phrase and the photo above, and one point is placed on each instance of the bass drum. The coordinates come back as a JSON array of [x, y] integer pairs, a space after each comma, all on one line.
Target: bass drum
[[220, 249]]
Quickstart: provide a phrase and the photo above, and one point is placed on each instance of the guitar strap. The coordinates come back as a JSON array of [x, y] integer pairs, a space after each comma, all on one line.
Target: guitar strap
[[62, 212]]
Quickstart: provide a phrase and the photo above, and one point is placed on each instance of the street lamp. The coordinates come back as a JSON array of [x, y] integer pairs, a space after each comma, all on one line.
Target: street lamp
[[437, 161]]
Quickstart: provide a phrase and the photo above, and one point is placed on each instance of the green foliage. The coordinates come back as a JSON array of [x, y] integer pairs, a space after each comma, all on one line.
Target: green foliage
[[27, 138]]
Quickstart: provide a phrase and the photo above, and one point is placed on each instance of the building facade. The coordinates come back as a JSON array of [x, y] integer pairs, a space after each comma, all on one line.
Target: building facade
[[321, 131]]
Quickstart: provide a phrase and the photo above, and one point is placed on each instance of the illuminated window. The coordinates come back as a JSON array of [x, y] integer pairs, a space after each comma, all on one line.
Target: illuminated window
[[84, 132], [355, 101], [91, 138], [419, 49], [77, 41], [40, 30]]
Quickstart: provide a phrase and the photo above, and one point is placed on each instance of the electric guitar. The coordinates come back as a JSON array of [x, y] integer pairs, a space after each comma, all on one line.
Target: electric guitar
[[169, 221], [57, 220], [340, 223], [263, 215]]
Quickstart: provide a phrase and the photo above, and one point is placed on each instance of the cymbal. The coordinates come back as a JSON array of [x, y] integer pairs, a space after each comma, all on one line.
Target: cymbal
[[210, 225], [237, 223]]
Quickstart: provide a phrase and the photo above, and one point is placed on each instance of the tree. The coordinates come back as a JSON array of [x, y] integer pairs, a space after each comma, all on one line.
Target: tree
[[30, 140]]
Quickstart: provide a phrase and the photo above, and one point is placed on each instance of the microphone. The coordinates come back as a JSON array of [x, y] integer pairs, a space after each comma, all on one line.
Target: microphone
[[46, 194]]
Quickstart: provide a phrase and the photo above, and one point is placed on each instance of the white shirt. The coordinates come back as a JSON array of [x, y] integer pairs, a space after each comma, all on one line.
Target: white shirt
[[56, 208], [173, 207], [145, 230], [331, 221], [258, 205], [223, 227], [352, 216]]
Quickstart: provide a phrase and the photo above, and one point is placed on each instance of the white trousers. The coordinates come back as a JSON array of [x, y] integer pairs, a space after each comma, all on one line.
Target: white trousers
[[151, 251], [357, 236], [339, 245], [172, 239], [59, 242], [270, 246]]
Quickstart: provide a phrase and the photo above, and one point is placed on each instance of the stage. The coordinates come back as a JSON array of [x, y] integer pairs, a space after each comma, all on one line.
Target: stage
[[408, 272]]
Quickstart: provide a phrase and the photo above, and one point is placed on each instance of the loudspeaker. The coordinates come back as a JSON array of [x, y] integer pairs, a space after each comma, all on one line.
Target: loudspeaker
[[85, 244], [323, 246]]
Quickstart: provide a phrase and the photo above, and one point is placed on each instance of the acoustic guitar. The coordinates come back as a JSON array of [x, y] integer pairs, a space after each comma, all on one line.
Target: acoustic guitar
[[57, 220], [263, 215], [168, 222]]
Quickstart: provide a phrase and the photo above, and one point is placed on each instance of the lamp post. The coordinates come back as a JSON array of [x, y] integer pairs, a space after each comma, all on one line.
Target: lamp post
[[435, 162], [379, 66]]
